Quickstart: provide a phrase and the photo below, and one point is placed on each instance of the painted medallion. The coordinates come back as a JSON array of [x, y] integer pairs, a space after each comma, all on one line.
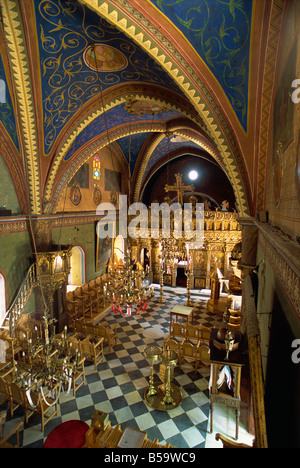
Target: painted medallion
[[104, 58]]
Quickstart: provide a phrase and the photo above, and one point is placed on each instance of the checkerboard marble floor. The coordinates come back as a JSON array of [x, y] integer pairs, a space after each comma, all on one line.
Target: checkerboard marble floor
[[118, 385]]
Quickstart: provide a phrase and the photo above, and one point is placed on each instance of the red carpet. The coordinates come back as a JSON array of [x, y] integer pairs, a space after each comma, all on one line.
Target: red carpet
[[70, 434]]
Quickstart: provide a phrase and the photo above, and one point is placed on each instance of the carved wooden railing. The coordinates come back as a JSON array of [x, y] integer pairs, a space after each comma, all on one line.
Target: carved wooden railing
[[255, 363], [16, 309]]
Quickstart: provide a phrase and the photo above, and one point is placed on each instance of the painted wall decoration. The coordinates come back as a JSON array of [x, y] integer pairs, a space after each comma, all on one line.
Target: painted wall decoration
[[104, 58], [103, 246], [113, 180], [283, 116], [114, 197], [75, 195], [278, 173], [144, 107], [219, 31], [97, 195], [81, 178]]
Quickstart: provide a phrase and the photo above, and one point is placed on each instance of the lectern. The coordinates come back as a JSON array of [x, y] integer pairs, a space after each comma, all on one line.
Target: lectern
[[225, 378]]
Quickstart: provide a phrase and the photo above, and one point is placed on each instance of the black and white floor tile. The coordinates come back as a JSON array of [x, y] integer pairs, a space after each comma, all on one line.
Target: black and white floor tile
[[118, 385]]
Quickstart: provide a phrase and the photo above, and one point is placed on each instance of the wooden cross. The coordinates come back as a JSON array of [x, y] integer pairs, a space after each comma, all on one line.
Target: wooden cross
[[180, 188]]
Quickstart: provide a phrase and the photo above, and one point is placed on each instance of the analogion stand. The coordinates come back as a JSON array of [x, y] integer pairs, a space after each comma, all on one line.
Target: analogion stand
[[225, 380]]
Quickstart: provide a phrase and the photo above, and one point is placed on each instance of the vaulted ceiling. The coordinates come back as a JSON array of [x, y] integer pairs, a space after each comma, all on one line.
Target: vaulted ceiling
[[81, 75]]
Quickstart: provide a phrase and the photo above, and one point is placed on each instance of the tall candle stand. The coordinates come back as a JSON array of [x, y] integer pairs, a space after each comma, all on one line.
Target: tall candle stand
[[189, 274], [161, 300], [152, 353]]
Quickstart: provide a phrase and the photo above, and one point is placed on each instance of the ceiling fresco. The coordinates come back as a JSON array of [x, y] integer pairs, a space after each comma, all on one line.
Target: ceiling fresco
[[115, 117], [220, 33], [82, 55], [79, 75]]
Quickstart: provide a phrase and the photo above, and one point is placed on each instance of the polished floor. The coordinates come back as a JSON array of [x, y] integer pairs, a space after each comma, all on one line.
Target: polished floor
[[118, 385]]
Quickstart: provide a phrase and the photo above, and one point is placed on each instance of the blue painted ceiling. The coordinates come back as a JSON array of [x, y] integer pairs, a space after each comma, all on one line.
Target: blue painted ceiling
[[218, 30]]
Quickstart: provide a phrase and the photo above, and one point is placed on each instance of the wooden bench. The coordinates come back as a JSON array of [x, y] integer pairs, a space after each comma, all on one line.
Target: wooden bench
[[111, 437], [100, 330], [194, 354], [190, 332]]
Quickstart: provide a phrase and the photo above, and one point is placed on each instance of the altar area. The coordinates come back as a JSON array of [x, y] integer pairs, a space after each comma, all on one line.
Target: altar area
[[117, 386]]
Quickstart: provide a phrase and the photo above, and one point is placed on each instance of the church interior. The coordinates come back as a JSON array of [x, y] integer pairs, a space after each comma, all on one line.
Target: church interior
[[114, 334]]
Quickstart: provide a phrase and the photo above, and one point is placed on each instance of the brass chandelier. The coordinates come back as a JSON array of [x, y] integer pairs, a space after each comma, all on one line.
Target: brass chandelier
[[127, 288], [48, 362]]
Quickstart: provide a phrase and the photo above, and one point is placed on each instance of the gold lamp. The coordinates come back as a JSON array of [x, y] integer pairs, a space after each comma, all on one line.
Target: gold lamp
[[229, 342]]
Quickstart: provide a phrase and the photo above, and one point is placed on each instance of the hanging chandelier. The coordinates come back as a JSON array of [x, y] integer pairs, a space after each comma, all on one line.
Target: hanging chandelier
[[48, 362], [127, 287]]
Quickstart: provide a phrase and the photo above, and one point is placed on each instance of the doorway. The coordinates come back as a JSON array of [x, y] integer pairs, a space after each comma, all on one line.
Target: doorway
[[77, 270]]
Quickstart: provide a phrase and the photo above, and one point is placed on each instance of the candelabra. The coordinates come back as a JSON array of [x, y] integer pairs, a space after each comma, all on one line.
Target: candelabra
[[161, 275], [169, 253], [127, 286], [50, 362]]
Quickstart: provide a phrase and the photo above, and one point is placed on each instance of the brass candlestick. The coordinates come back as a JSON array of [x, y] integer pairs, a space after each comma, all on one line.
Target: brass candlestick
[[188, 289], [169, 359], [152, 352]]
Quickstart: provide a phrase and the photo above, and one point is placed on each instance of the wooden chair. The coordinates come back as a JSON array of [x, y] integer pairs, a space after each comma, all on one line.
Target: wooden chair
[[80, 327], [103, 436], [192, 333], [12, 349], [5, 392], [78, 377], [204, 334], [90, 330], [92, 350], [188, 354], [87, 303], [45, 405], [172, 344], [177, 330], [204, 354], [16, 430], [114, 437], [79, 297], [19, 398], [73, 343], [97, 296], [108, 333], [228, 443]]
